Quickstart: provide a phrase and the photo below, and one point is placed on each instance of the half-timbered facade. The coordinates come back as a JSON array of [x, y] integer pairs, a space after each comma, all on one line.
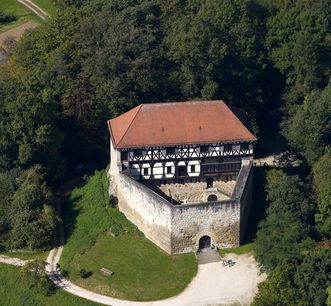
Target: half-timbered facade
[[180, 142]]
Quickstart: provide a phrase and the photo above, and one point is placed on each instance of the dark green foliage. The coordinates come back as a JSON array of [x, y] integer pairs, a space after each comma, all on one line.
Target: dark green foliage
[[299, 43], [216, 51], [322, 184], [285, 232], [279, 288], [4, 18], [313, 276], [308, 129], [35, 271], [28, 219], [84, 274], [304, 283]]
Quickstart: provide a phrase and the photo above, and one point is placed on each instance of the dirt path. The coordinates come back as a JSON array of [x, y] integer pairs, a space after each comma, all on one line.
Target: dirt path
[[12, 261], [17, 32], [213, 285], [34, 8]]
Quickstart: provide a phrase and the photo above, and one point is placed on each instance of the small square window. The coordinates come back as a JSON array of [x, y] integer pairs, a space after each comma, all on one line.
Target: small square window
[[204, 149], [168, 169], [244, 146], [124, 156], [145, 171], [228, 147], [192, 168], [137, 152], [170, 151]]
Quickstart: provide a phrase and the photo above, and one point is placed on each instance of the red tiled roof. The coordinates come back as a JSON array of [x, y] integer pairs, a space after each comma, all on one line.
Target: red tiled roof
[[166, 124]]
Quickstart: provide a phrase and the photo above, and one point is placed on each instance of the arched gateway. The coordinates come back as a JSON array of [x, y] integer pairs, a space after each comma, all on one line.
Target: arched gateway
[[204, 242]]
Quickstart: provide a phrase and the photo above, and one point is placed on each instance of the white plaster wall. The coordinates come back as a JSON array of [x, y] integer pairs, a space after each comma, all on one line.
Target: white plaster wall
[[158, 170], [196, 163], [172, 165]]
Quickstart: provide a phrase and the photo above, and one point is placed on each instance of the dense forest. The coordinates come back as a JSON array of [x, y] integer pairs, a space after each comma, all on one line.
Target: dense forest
[[98, 58]]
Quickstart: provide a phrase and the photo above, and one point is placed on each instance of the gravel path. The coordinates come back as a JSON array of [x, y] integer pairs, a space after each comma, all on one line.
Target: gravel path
[[213, 285], [34, 8], [12, 261]]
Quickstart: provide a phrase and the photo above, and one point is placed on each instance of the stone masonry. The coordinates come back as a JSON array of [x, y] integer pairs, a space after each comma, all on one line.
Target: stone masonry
[[178, 228]]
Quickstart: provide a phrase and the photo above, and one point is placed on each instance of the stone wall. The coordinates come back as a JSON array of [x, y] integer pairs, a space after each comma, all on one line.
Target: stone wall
[[218, 220], [178, 228], [146, 209]]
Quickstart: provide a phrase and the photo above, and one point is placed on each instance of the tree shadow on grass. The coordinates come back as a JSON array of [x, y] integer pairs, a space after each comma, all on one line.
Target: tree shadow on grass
[[70, 213]]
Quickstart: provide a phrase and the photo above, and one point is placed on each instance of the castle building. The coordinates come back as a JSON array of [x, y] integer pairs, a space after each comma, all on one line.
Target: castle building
[[183, 173]]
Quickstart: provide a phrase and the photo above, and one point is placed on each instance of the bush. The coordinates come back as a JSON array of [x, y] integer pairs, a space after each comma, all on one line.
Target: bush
[[4, 19], [84, 274]]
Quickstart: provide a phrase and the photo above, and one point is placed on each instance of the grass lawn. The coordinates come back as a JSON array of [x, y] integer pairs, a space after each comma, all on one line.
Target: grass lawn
[[22, 13], [243, 249], [47, 5], [15, 290], [27, 255], [100, 236]]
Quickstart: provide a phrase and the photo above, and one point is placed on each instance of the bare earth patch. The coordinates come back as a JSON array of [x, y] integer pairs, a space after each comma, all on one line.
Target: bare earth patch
[[17, 32]]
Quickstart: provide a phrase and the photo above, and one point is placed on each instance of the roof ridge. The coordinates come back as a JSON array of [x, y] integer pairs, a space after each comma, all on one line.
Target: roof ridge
[[139, 108], [180, 102]]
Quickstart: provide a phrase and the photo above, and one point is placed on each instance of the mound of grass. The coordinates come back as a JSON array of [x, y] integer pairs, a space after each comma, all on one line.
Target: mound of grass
[[246, 248], [87, 214], [100, 236], [15, 290]]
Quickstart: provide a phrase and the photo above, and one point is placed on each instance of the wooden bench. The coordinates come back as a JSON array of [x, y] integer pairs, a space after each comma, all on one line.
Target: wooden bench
[[106, 272]]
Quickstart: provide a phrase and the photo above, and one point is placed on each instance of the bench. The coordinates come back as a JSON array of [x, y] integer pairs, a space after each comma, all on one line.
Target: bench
[[106, 272]]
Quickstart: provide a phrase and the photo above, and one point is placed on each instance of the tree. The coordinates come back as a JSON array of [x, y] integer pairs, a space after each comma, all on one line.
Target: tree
[[8, 186], [313, 276], [298, 40], [31, 219], [285, 232], [35, 270], [322, 186], [302, 283], [279, 289], [216, 51], [308, 129]]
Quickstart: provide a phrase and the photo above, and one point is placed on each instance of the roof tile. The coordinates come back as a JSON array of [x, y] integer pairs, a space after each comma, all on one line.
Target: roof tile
[[175, 123]]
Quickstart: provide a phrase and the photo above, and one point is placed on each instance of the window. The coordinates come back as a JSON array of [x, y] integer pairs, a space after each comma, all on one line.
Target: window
[[228, 147], [145, 171], [168, 169], [244, 146], [182, 171], [137, 152], [192, 168], [170, 151], [124, 156], [204, 149]]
